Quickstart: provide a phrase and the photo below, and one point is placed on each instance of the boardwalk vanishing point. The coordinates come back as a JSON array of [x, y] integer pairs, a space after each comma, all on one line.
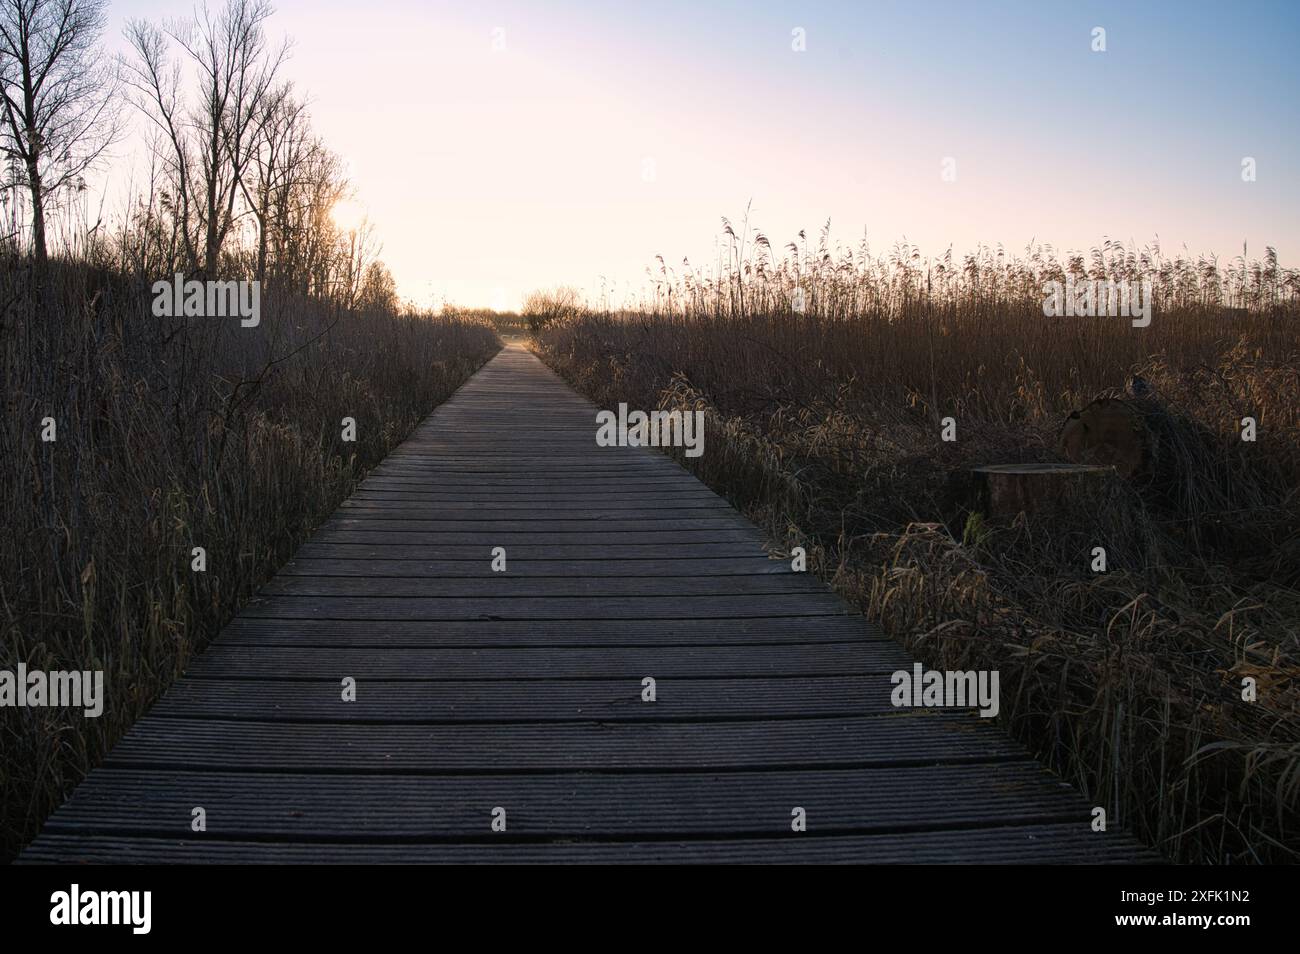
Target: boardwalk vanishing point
[[515, 700]]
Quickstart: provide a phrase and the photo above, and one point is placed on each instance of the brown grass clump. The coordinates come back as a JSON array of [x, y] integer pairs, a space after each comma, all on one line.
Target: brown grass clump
[[172, 434], [824, 424]]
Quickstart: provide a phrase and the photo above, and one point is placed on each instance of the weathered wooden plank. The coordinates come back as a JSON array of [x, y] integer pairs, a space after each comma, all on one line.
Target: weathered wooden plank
[[544, 452], [480, 568], [491, 516], [684, 554], [293, 807], [543, 455], [533, 467], [544, 496], [503, 586], [400, 522], [517, 538], [498, 508], [386, 701], [228, 660], [547, 607], [1060, 843], [915, 738], [396, 634], [519, 483]]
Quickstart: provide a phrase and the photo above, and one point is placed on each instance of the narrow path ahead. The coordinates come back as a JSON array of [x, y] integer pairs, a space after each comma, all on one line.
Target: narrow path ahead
[[481, 691]]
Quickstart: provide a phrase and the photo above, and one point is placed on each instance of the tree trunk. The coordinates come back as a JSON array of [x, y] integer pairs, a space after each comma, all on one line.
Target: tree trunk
[[261, 245], [38, 209]]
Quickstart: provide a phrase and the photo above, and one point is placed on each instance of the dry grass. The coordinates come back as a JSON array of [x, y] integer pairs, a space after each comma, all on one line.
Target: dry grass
[[824, 426], [172, 435]]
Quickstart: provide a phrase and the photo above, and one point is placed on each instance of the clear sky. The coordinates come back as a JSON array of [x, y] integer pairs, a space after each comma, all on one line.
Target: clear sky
[[605, 133]]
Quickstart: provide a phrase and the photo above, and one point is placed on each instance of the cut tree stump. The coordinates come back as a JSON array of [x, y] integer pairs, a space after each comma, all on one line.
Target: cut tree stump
[[1004, 490]]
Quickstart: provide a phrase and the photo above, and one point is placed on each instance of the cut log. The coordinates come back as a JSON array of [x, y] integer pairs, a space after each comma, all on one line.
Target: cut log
[[1004, 490]]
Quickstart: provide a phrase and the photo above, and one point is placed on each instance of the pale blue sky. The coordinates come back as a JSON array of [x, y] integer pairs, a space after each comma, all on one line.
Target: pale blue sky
[[490, 173]]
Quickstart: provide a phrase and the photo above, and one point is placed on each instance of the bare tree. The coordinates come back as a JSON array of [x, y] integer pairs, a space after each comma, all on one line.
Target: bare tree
[[279, 162], [354, 253], [57, 91], [378, 289], [546, 306], [311, 248], [211, 146], [234, 149]]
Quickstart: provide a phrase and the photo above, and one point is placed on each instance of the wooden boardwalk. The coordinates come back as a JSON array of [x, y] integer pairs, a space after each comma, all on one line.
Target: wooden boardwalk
[[522, 690]]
